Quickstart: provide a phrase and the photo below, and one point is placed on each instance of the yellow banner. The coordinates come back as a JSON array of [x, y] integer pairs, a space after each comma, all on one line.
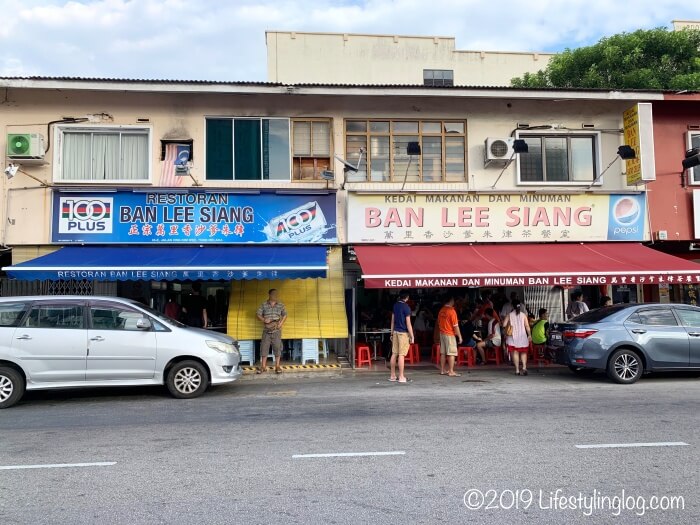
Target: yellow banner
[[630, 121]]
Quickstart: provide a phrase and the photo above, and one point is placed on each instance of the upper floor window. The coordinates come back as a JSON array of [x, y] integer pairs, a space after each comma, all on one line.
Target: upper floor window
[[104, 154], [559, 158], [694, 142], [311, 148], [248, 149], [438, 77], [386, 159]]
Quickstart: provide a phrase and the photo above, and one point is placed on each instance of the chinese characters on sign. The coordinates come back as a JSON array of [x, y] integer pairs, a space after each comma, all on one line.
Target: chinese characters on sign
[[192, 217], [564, 281], [466, 217]]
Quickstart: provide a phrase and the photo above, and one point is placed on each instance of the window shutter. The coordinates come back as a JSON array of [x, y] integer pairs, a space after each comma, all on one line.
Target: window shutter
[[321, 139], [302, 139], [219, 149]]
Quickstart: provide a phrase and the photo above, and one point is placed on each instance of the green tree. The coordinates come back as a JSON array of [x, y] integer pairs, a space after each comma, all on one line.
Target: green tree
[[644, 59]]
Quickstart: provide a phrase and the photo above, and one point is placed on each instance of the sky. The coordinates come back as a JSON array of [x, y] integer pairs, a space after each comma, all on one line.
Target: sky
[[225, 39]]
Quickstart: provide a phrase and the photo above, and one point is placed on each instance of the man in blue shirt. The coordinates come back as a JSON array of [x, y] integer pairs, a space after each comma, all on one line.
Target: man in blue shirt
[[401, 336]]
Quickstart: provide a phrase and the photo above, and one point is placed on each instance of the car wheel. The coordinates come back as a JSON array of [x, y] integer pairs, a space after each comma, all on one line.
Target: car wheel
[[11, 387], [187, 379], [579, 371], [625, 366]]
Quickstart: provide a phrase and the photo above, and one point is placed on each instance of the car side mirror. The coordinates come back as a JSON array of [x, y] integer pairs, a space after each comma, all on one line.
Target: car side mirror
[[144, 324]]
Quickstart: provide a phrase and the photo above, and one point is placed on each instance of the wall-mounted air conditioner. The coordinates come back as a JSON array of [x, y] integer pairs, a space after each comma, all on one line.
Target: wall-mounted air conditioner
[[498, 151], [25, 148]]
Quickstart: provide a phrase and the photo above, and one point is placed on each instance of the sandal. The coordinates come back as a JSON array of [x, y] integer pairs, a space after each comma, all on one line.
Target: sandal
[[393, 380], [259, 371], [278, 370], [524, 372]]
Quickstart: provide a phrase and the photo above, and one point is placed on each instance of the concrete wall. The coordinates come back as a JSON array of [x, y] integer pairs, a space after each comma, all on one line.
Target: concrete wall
[[182, 116], [386, 59], [671, 195]]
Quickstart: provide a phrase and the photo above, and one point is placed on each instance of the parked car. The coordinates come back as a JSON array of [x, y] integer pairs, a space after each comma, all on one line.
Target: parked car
[[70, 342], [628, 340]]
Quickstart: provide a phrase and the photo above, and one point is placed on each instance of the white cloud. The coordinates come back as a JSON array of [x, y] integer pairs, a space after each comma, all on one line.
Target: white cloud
[[210, 39]]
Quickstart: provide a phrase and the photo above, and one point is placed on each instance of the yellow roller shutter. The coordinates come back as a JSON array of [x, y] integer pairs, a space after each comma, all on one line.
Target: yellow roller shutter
[[315, 307]]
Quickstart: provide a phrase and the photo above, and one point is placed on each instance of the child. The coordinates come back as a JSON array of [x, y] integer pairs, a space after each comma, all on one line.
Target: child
[[540, 330]]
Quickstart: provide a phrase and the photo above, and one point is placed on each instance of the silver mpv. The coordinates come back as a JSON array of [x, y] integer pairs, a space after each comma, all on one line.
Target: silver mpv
[[71, 342]]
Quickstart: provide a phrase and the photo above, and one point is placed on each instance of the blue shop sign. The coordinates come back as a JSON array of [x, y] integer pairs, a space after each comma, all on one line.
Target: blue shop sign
[[196, 217]]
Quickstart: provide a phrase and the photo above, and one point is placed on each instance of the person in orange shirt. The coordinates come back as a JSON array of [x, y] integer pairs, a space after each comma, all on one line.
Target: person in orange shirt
[[450, 337]]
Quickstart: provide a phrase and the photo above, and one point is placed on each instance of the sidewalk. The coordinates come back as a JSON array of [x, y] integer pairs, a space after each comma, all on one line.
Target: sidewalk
[[423, 370]]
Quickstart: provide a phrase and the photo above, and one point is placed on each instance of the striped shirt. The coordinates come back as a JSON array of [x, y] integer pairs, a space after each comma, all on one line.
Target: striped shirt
[[275, 312]]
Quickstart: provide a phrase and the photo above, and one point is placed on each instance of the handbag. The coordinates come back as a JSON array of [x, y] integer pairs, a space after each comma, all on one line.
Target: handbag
[[509, 330]]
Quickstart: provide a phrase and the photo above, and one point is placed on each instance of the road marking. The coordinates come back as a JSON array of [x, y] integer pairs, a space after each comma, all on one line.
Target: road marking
[[58, 465], [632, 445], [350, 454]]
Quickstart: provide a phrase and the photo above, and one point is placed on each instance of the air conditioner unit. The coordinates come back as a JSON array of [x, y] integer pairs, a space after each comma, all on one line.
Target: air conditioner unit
[[25, 148], [498, 151]]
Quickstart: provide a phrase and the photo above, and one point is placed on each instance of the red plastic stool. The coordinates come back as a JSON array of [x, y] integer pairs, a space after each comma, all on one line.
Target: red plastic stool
[[496, 354], [539, 357], [435, 356], [363, 355], [465, 356], [413, 355]]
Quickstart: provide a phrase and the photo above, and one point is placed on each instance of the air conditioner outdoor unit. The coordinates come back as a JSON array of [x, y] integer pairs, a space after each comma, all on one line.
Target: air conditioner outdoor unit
[[498, 151], [25, 148]]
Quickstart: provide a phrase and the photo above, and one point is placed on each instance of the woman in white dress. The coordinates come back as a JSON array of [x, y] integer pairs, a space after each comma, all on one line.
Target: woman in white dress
[[519, 339]]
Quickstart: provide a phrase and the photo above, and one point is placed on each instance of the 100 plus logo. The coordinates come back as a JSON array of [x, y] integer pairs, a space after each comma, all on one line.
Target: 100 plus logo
[[85, 215]]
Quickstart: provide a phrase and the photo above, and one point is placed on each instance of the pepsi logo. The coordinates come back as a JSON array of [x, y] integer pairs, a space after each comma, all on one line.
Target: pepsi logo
[[626, 211]]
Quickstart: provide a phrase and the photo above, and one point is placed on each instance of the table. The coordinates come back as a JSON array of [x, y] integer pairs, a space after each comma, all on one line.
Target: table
[[374, 342]]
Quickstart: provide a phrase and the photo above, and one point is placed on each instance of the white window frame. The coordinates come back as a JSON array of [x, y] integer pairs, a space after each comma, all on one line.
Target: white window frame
[[689, 145], [58, 152], [566, 133], [233, 142]]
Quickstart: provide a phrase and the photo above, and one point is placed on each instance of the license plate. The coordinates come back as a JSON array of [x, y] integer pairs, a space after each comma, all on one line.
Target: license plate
[[556, 337]]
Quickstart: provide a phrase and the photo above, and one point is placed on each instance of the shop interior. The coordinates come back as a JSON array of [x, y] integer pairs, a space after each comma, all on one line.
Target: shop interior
[[374, 308], [315, 333]]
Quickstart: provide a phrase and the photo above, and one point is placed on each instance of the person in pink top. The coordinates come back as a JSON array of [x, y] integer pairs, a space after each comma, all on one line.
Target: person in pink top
[[518, 337]]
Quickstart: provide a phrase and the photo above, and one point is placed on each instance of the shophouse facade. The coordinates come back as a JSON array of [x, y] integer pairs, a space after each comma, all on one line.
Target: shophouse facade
[[140, 188]]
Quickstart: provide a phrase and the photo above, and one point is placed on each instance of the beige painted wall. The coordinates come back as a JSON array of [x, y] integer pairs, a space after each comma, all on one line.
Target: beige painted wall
[[183, 115], [294, 57]]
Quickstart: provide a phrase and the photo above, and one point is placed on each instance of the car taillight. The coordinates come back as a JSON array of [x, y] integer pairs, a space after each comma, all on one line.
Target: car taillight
[[580, 333]]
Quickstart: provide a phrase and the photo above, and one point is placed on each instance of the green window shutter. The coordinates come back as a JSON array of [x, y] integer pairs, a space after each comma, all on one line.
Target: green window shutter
[[219, 149], [246, 145]]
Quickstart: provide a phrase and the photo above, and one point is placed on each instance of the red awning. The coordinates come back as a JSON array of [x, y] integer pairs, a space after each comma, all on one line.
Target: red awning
[[568, 265]]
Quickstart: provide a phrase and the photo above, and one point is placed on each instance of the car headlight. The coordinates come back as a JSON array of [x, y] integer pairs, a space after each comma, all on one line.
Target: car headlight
[[220, 346]]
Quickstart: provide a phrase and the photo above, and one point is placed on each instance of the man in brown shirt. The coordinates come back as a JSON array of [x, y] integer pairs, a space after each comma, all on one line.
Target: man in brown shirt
[[273, 314]]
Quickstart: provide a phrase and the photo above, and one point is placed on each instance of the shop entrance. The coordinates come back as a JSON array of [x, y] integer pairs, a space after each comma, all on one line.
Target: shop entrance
[[374, 308], [157, 295]]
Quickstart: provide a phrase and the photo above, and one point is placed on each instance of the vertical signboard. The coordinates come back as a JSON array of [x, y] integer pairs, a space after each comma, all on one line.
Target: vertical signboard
[[639, 134]]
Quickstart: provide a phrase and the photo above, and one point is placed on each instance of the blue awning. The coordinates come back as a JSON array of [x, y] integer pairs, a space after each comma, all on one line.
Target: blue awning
[[174, 263]]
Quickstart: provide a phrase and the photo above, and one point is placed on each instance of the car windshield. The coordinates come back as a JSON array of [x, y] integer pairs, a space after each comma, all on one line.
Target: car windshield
[[160, 316], [594, 316]]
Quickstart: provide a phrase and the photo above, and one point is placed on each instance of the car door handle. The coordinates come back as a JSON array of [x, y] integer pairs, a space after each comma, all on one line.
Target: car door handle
[[639, 331], [694, 334], [24, 337], [97, 338]]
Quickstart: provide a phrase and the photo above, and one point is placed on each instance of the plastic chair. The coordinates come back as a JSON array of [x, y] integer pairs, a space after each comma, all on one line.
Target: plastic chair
[[363, 355], [413, 355], [247, 349], [465, 356], [309, 351]]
